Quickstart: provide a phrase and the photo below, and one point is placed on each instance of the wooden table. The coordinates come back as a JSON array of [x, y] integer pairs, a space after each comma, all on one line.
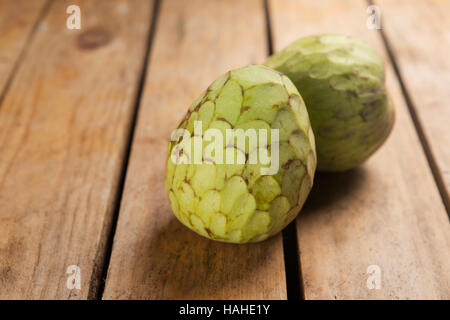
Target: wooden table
[[85, 117]]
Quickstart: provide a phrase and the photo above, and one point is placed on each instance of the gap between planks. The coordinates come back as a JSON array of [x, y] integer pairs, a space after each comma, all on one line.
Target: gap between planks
[[381, 213], [111, 233], [63, 71], [292, 264], [290, 247], [143, 243], [416, 120]]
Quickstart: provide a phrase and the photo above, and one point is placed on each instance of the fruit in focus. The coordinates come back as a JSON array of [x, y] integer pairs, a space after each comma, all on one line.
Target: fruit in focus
[[341, 80], [236, 202]]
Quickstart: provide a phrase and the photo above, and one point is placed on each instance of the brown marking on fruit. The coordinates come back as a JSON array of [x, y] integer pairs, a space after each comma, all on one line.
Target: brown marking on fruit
[[349, 134], [225, 120], [351, 93], [208, 160], [242, 90], [243, 109], [368, 110], [198, 106], [287, 164], [209, 232]]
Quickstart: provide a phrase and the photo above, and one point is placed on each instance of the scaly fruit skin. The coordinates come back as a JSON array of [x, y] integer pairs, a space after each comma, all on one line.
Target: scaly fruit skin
[[341, 80], [234, 202]]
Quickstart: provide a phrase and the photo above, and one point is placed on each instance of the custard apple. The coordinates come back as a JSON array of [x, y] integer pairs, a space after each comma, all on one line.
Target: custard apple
[[228, 191], [342, 82]]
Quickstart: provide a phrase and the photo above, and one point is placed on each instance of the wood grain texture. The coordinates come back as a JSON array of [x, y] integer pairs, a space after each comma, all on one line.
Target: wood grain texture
[[387, 212], [64, 125], [419, 37], [154, 256], [17, 20]]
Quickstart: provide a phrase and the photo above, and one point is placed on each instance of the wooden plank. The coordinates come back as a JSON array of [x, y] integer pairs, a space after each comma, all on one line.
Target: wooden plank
[[422, 49], [154, 256], [17, 20], [64, 126], [388, 212]]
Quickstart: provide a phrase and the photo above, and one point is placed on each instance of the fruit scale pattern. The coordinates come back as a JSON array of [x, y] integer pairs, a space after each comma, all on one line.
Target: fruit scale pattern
[[235, 202], [342, 81]]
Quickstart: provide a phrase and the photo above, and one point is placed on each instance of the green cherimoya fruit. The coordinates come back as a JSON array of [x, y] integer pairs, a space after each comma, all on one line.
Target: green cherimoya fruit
[[341, 80], [237, 201]]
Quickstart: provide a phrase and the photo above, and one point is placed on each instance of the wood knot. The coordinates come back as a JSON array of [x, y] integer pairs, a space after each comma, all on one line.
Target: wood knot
[[93, 38]]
